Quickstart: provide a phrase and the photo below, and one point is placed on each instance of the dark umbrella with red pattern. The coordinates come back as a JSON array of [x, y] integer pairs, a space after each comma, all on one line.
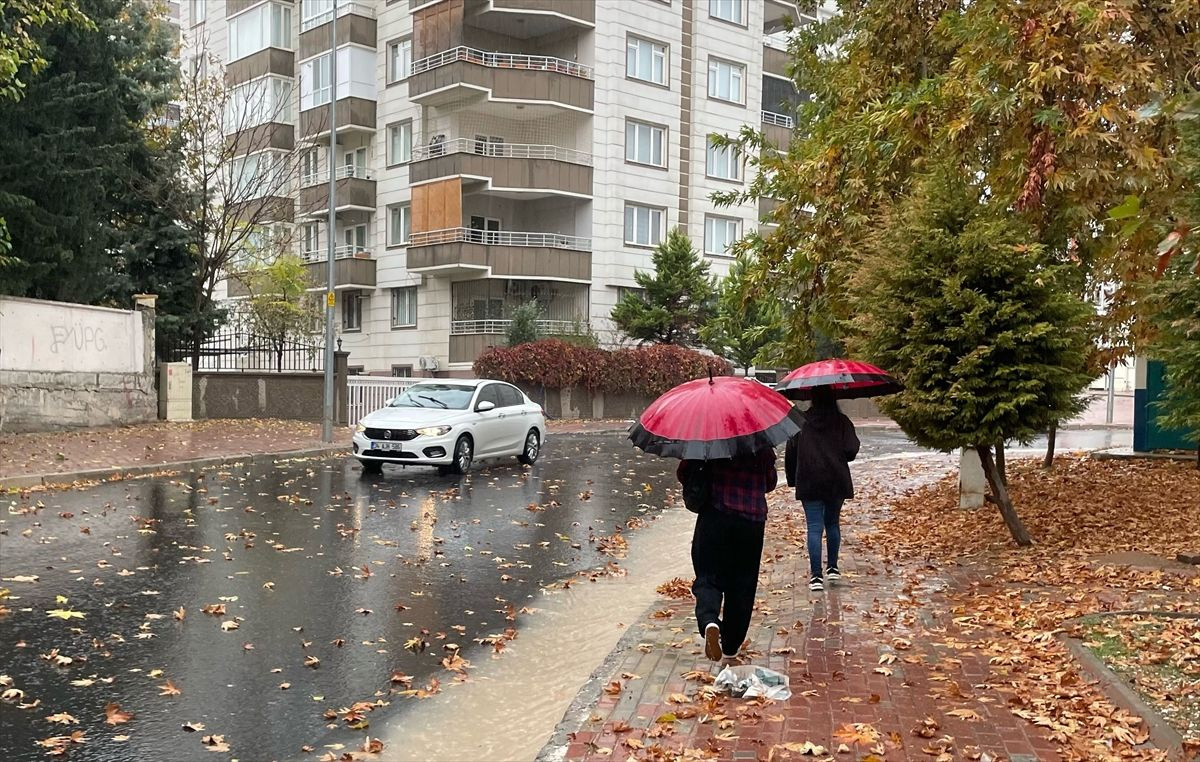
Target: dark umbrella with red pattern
[[849, 379], [713, 418]]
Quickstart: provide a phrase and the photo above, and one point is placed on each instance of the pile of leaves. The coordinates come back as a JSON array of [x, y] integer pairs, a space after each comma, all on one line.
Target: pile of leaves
[[1105, 531], [1159, 657], [556, 364]]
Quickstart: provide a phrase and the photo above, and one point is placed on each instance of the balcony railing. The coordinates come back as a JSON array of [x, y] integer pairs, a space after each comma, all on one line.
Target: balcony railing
[[347, 251], [779, 120], [775, 41], [366, 10], [501, 61], [545, 327], [500, 238], [341, 173], [505, 150]]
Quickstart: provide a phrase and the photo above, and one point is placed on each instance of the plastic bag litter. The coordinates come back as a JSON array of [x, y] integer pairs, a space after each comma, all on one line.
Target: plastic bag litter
[[750, 681]]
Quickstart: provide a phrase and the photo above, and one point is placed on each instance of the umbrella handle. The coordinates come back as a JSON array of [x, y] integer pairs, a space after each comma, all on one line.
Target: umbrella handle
[[710, 376]]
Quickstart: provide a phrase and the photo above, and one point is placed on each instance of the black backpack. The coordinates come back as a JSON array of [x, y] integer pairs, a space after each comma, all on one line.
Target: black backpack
[[697, 489]]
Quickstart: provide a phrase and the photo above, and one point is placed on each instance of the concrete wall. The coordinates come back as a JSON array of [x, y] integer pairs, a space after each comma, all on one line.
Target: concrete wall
[[295, 396], [72, 365]]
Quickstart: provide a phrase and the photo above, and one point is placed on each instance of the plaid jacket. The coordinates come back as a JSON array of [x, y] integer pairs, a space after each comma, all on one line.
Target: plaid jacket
[[740, 485]]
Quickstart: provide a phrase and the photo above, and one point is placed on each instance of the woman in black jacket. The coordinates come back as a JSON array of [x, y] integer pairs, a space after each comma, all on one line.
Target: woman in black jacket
[[817, 465]]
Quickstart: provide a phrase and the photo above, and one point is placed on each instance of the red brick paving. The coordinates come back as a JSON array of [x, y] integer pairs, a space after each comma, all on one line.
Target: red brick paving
[[831, 645], [153, 443]]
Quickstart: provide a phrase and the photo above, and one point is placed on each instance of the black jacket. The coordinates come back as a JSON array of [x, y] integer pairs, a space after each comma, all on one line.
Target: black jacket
[[817, 459]]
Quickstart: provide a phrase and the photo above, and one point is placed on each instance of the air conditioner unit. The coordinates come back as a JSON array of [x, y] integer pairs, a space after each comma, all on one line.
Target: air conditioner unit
[[427, 362]]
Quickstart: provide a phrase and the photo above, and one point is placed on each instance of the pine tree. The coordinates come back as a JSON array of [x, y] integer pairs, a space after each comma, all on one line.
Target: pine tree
[[744, 328], [677, 297], [979, 324], [523, 323]]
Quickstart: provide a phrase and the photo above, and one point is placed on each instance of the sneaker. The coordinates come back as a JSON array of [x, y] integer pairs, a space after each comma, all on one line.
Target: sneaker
[[832, 574], [816, 584], [730, 661], [712, 641]]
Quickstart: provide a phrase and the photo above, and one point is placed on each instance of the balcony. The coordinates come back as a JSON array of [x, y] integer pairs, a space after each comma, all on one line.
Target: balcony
[[353, 115], [356, 24], [528, 19], [775, 56], [353, 266], [778, 128], [507, 169], [462, 72], [468, 338], [355, 192], [464, 253]]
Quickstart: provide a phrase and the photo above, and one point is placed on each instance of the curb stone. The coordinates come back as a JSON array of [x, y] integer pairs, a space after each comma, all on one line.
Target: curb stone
[[118, 473], [1162, 734]]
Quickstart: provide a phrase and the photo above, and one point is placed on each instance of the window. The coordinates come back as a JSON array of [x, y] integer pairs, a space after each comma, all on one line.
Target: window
[[355, 162], [309, 240], [352, 309], [356, 74], [321, 79], [726, 81], [355, 238], [723, 162], [259, 101], [510, 396], [646, 60], [404, 307], [636, 291], [644, 143], [309, 167], [261, 27], [257, 175], [402, 371], [643, 224], [732, 11], [720, 233], [399, 143], [198, 15], [399, 222], [489, 393], [399, 60]]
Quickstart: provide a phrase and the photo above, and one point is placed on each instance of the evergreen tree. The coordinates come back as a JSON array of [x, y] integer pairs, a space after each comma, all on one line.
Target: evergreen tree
[[677, 297], [975, 320], [1177, 297], [74, 147], [744, 328], [523, 327]]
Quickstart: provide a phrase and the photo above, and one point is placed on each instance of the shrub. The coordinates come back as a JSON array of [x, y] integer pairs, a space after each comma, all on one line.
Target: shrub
[[556, 364], [523, 327]]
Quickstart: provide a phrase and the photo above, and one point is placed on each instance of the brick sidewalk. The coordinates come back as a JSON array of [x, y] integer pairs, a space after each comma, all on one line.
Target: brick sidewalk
[[65, 452], [874, 669]]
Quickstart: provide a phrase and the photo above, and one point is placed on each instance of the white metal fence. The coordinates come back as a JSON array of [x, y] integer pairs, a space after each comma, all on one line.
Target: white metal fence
[[781, 120], [545, 327], [502, 61], [499, 238], [369, 393], [505, 150]]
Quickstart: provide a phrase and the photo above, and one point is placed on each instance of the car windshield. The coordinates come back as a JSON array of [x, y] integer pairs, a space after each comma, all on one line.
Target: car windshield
[[440, 396]]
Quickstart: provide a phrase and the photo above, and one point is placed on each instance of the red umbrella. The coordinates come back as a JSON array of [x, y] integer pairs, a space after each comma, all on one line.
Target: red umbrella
[[850, 379], [713, 418]]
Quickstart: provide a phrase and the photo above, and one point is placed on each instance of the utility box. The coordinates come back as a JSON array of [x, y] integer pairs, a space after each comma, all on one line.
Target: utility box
[[972, 482], [175, 391]]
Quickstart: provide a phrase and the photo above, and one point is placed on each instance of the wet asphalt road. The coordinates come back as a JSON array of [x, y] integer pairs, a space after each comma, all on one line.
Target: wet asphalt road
[[286, 550]]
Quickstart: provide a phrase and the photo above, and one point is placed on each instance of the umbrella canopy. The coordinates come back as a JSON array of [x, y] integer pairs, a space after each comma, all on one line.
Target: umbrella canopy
[[850, 379], [713, 418]]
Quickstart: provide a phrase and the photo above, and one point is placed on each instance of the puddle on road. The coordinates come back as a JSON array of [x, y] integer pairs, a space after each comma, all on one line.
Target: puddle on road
[[512, 705]]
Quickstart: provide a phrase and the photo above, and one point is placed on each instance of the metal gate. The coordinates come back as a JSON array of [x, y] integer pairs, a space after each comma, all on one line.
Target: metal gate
[[369, 393]]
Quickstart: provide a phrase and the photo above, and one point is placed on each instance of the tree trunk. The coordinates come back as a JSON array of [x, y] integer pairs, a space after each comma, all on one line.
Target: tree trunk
[[1198, 453], [1051, 436], [1001, 462], [1001, 497]]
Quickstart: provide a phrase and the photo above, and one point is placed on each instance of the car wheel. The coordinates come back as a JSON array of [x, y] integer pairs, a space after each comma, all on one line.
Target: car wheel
[[463, 452], [533, 448], [371, 466]]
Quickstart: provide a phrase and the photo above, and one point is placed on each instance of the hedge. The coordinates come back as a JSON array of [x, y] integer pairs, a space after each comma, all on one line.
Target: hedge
[[556, 364]]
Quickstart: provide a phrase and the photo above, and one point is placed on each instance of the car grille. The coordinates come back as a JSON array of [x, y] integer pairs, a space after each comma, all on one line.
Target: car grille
[[395, 435]]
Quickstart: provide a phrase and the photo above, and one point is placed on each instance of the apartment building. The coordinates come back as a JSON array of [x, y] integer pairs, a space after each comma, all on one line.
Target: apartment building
[[490, 152]]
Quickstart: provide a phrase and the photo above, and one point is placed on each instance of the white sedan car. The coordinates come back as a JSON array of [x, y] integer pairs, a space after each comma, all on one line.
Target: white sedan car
[[448, 423]]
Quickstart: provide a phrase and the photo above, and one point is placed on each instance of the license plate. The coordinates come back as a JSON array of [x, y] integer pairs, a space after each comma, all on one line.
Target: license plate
[[388, 446]]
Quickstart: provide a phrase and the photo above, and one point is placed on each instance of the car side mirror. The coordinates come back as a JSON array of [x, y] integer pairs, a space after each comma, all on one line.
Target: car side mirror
[[485, 406]]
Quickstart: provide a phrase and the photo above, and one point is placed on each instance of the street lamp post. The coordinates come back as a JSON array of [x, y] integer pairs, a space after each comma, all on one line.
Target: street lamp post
[[330, 234]]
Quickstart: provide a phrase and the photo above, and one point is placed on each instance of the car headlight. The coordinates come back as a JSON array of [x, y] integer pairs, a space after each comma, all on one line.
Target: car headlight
[[434, 431], [360, 428]]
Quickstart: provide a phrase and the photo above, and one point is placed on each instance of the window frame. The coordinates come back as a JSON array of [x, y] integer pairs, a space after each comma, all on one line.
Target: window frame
[[716, 62], [391, 154], [742, 11], [406, 215], [267, 39], [732, 158], [392, 47], [661, 227], [395, 292], [711, 219], [666, 64], [352, 297], [663, 147]]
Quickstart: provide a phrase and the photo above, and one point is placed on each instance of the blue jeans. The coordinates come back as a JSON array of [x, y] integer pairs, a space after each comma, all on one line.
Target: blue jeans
[[824, 517]]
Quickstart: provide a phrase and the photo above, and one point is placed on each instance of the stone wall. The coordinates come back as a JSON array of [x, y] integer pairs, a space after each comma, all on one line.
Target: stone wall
[[72, 365], [267, 394]]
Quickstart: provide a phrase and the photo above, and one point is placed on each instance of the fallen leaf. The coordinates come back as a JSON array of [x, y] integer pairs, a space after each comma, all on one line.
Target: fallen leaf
[[168, 689], [113, 715]]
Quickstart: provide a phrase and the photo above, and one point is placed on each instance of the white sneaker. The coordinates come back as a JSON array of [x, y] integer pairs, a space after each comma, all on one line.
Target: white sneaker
[[712, 641], [832, 574], [816, 584]]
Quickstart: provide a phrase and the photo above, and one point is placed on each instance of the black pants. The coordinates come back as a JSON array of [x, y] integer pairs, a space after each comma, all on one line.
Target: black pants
[[726, 551]]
